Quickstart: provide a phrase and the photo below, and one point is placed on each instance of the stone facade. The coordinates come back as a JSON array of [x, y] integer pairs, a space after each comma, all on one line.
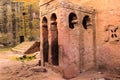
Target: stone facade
[[5, 22], [17, 22], [17, 26], [25, 26], [77, 35]]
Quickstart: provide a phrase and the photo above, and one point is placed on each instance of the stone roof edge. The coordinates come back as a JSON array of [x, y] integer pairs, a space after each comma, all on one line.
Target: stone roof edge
[[67, 5], [73, 6]]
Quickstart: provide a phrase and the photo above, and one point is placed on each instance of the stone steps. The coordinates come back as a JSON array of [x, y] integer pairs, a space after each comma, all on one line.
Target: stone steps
[[27, 47]]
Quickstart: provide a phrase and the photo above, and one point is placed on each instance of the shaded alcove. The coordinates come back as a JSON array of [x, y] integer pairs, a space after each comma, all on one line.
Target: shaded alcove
[[21, 39], [72, 20], [45, 39], [86, 21], [54, 40]]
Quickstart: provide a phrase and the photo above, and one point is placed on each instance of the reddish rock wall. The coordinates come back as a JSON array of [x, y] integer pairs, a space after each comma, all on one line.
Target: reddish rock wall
[[107, 13], [80, 48]]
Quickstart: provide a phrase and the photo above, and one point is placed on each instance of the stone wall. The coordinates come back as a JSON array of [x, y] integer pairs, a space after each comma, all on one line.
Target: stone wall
[[5, 23], [90, 41], [107, 24]]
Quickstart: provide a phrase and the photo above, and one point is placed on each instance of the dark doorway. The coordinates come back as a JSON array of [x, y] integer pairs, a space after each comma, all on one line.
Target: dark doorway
[[45, 39], [54, 39], [21, 39]]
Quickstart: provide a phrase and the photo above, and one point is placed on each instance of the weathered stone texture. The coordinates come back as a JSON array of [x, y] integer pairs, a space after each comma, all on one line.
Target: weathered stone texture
[[107, 13], [84, 45]]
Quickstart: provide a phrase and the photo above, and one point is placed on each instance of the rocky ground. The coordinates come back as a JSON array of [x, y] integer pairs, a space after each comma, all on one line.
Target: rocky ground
[[11, 69]]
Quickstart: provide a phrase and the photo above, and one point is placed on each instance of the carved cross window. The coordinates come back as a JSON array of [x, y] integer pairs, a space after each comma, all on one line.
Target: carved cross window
[[112, 33]]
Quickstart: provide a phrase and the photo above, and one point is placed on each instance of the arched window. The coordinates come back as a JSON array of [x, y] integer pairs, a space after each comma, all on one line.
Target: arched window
[[53, 17], [53, 21], [44, 22], [86, 21], [72, 20]]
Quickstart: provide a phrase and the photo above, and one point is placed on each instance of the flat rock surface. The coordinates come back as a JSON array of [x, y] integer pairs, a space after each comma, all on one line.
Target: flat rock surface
[[11, 69]]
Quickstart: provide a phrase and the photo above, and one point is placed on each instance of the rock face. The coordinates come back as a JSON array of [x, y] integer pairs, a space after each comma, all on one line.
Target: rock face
[[5, 23], [27, 47], [80, 35]]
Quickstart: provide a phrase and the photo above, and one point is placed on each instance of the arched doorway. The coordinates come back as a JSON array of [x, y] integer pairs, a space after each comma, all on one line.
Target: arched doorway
[[45, 39], [54, 40]]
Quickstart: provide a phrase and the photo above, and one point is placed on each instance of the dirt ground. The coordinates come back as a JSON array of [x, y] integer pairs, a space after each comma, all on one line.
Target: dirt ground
[[11, 69]]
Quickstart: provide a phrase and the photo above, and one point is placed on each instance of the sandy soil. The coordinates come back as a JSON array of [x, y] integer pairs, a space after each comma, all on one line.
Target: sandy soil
[[11, 69]]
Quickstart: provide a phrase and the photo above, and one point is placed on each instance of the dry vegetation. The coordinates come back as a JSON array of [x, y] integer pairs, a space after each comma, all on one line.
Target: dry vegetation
[[31, 1]]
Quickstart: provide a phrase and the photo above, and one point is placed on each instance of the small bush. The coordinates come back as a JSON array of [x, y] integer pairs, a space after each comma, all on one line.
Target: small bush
[[26, 58]]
